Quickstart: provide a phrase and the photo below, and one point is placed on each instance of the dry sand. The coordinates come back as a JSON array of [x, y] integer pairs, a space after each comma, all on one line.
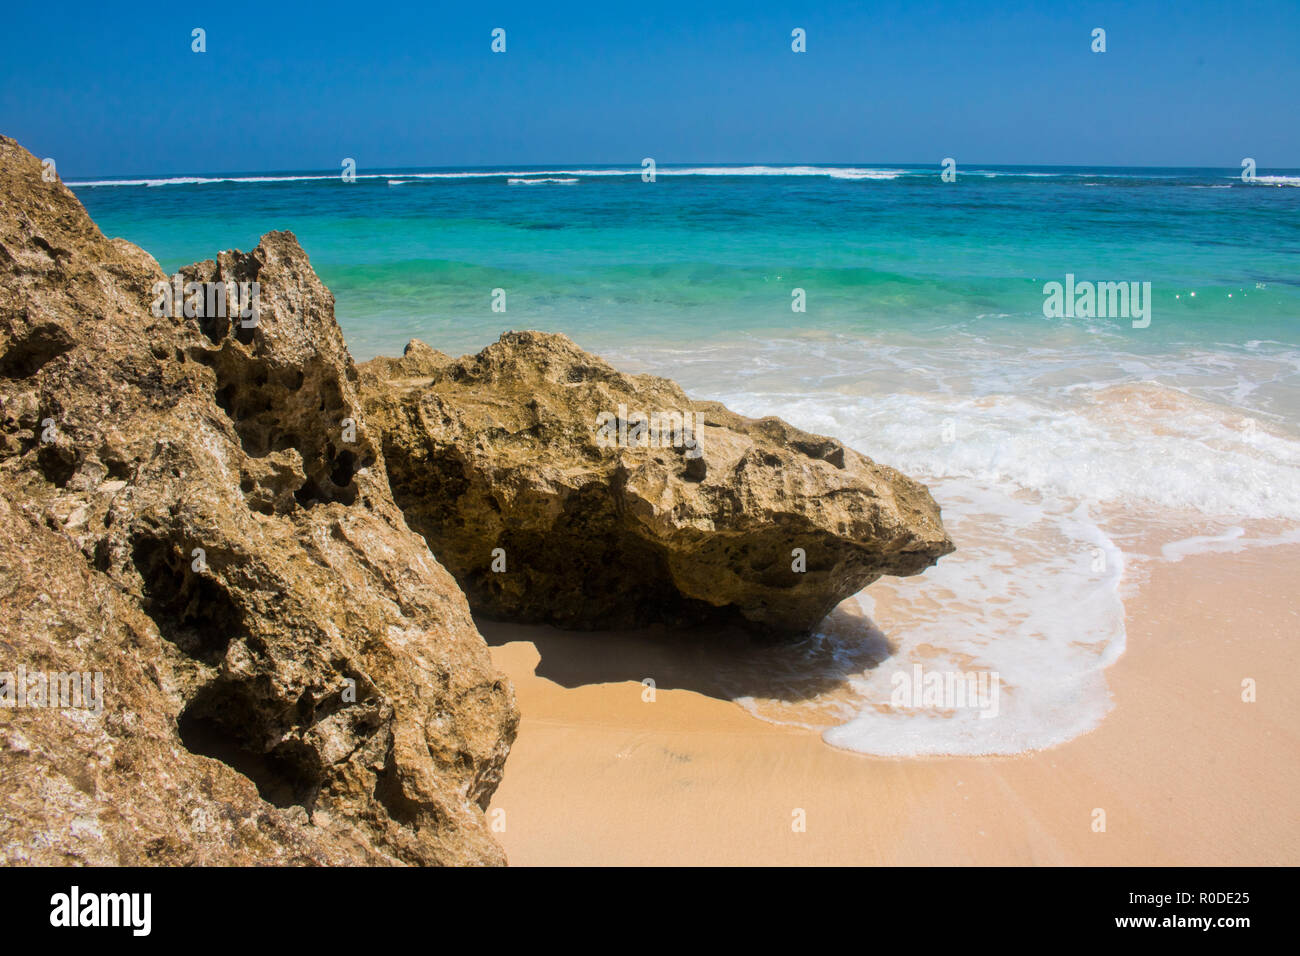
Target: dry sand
[[1186, 772]]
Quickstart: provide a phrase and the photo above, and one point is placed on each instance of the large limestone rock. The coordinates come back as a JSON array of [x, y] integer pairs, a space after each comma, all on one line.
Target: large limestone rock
[[199, 511], [525, 448]]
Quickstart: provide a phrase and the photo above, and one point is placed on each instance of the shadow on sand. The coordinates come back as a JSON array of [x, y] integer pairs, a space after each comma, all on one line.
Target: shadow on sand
[[724, 664]]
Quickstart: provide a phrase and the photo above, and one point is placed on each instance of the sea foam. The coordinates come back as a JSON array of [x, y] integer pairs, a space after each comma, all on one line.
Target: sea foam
[[1035, 456]]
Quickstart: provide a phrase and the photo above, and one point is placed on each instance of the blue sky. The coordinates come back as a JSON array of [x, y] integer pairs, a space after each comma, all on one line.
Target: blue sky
[[1189, 83]]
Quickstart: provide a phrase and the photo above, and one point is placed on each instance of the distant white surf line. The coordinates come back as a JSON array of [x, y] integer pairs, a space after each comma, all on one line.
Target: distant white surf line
[[517, 177], [520, 176], [833, 172], [995, 174], [205, 180], [540, 182]]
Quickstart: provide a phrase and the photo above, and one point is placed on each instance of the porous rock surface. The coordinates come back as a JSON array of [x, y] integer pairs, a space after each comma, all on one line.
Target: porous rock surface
[[199, 511], [504, 462]]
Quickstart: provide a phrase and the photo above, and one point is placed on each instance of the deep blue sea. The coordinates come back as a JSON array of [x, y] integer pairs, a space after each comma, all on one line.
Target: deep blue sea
[[1069, 452]]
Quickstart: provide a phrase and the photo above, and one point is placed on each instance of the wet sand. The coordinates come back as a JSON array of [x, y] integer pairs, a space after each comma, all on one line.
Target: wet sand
[[1185, 770]]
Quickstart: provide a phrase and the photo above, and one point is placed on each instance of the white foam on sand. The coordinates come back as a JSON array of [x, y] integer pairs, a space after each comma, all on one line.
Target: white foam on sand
[[1032, 458], [1232, 541], [1028, 607]]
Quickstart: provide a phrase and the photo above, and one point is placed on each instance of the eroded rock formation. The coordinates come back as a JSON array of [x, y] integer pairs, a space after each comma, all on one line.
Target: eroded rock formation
[[197, 509], [530, 447]]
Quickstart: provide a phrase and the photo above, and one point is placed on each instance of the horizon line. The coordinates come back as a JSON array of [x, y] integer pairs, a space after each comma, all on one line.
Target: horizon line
[[634, 168]]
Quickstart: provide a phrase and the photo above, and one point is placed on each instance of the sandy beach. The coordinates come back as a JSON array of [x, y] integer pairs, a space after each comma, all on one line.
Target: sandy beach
[[1185, 770]]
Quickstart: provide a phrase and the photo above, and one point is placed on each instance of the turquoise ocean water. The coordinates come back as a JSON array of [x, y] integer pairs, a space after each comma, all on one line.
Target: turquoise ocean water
[[1068, 453]]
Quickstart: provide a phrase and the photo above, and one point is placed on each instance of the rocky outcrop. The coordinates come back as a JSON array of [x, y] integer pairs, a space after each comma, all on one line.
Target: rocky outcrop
[[557, 489], [197, 510]]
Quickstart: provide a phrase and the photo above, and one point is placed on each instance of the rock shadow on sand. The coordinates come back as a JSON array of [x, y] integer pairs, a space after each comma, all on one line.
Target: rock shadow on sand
[[726, 664]]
